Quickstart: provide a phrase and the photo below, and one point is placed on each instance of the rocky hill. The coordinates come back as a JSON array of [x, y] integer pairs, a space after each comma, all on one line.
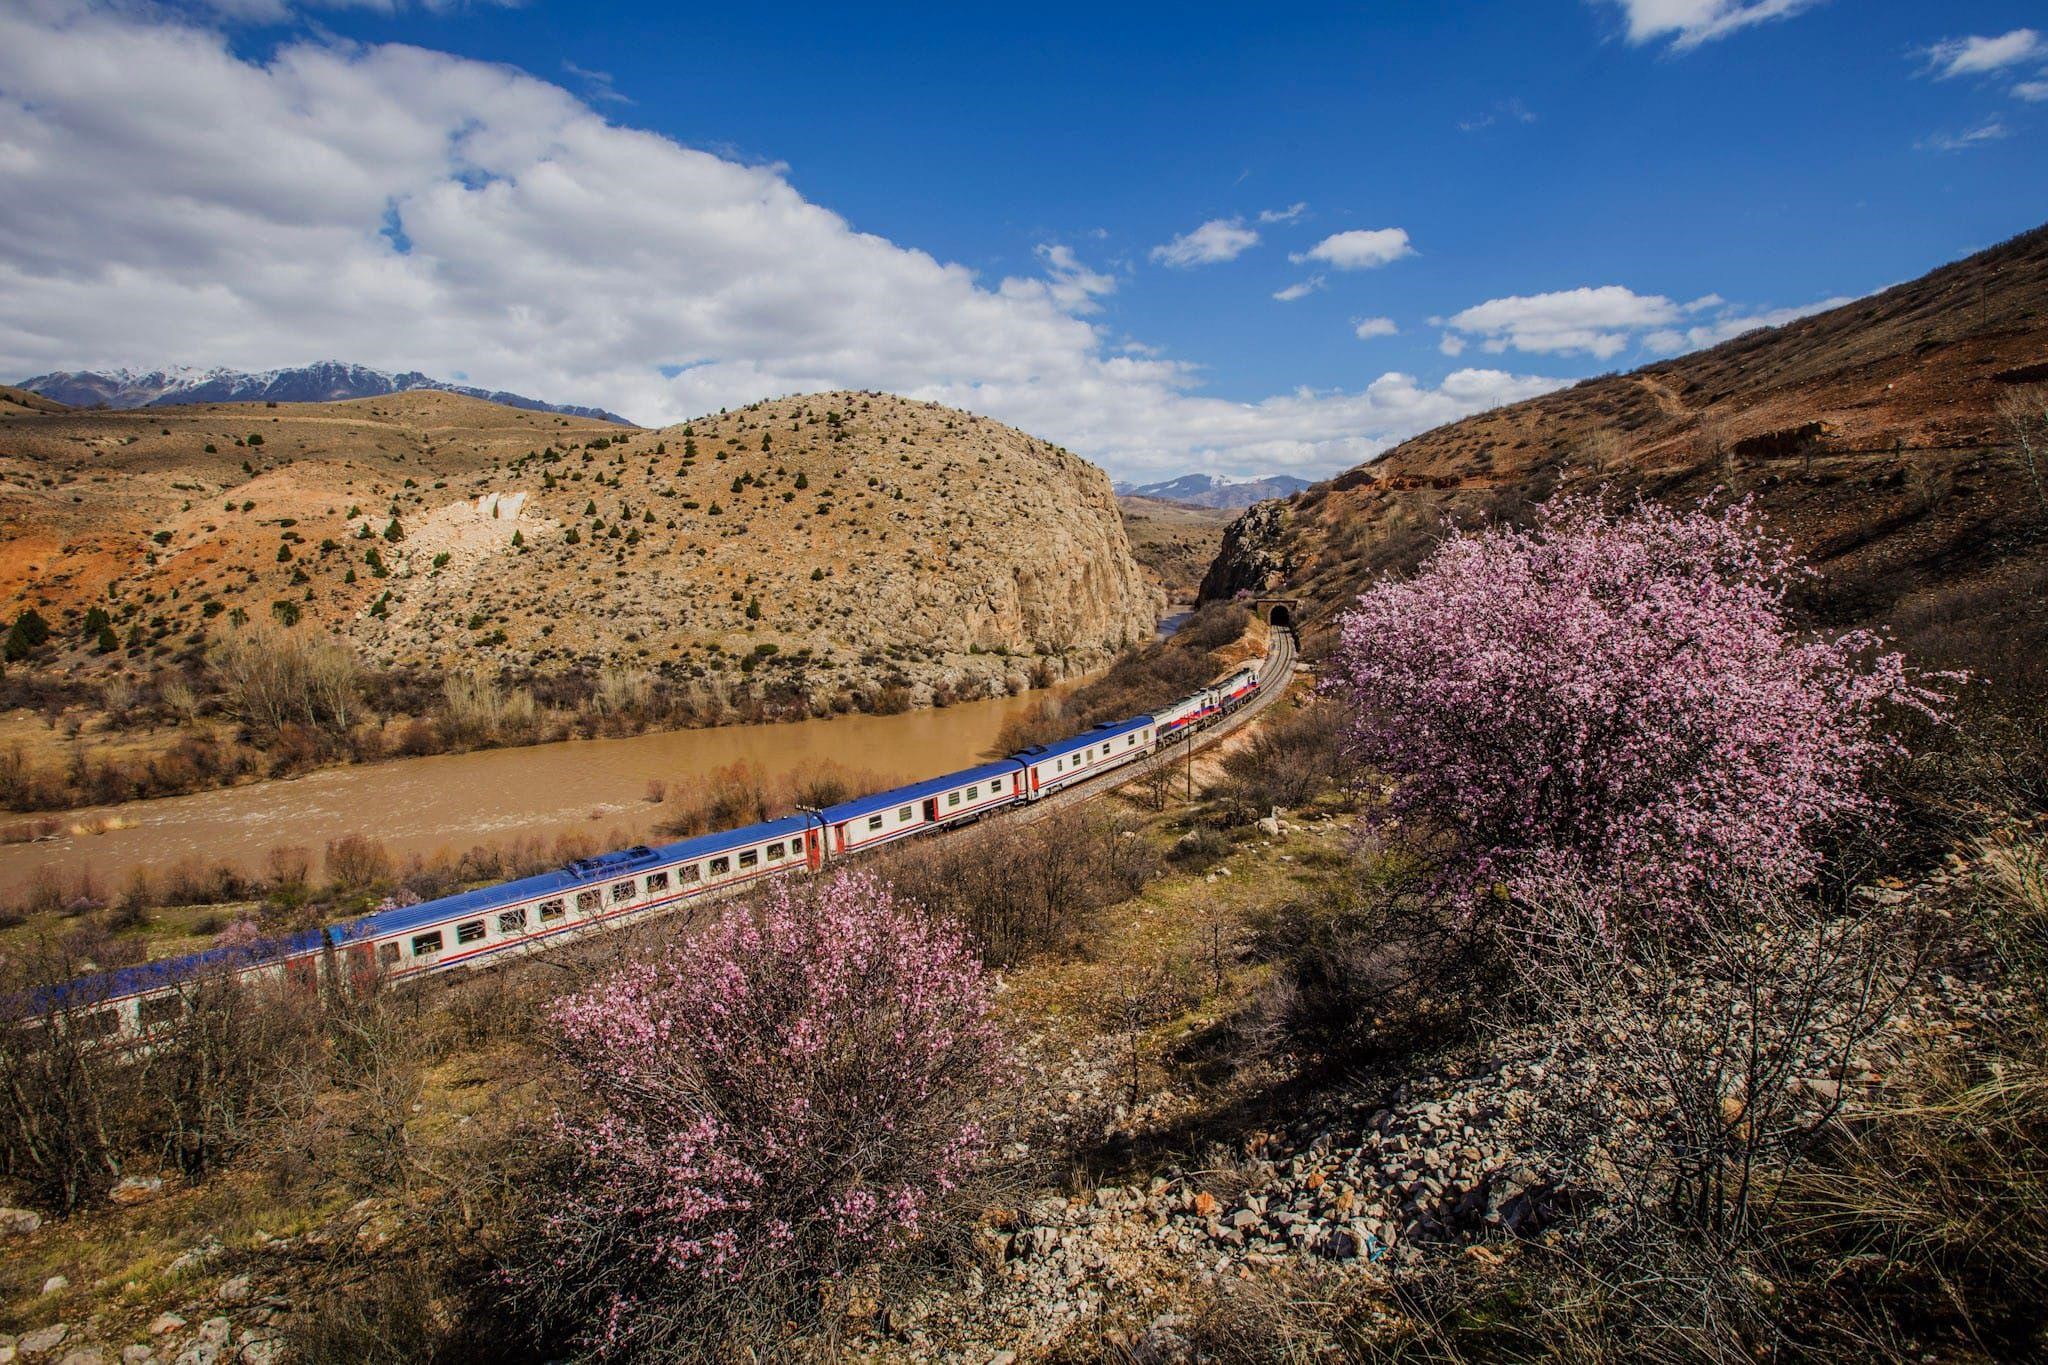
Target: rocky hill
[[322, 382], [1174, 541], [829, 545], [1880, 437]]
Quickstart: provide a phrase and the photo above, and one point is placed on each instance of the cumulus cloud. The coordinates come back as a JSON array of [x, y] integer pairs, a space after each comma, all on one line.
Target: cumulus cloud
[[164, 200], [1299, 290], [1219, 239], [1365, 329], [1358, 249], [1976, 55], [1598, 321], [1603, 322], [1072, 285], [1688, 23]]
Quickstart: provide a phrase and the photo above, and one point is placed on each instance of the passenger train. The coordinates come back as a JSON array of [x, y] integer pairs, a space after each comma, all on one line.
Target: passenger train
[[495, 923]]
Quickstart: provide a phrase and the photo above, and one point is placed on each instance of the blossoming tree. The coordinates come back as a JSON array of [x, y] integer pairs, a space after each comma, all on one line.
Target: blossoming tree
[[1616, 699], [770, 1101]]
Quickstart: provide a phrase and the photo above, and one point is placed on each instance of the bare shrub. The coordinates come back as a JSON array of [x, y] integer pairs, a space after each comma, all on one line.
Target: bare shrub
[[275, 679], [2024, 415], [1288, 761], [356, 862]]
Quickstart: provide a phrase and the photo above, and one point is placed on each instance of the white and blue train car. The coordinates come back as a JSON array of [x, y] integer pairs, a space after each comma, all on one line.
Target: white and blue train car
[[1062, 763], [870, 821], [587, 895]]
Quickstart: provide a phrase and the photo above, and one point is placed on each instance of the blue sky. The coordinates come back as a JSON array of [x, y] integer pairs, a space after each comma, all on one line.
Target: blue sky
[[663, 208]]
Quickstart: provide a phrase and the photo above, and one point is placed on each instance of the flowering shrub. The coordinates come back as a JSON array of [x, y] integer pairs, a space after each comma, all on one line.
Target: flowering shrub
[[1615, 699], [770, 1101]]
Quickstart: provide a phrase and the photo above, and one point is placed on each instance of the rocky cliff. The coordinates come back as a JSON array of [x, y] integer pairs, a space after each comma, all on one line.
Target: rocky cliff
[[825, 546], [1883, 438]]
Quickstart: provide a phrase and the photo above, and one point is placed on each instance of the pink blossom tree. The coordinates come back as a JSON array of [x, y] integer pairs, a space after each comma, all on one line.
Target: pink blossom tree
[[1615, 699], [774, 1099]]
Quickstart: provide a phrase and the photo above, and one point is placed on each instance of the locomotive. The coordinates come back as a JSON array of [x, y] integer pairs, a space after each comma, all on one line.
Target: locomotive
[[494, 923]]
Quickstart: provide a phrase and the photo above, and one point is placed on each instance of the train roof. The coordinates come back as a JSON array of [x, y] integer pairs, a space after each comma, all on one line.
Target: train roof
[[916, 791], [148, 976], [582, 872], [1109, 729]]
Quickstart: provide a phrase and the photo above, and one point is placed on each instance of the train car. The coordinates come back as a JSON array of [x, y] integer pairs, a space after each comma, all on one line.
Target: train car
[[1233, 691], [870, 821], [126, 1003], [1049, 767], [586, 895], [1188, 711]]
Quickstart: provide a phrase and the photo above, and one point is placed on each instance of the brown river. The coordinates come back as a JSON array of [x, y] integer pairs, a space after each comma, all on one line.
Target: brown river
[[454, 801]]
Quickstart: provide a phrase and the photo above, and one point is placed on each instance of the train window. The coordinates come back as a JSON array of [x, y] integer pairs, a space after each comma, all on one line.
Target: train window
[[422, 944], [657, 881], [720, 866], [904, 814], [974, 792], [160, 1009], [774, 853], [511, 921], [100, 1023], [469, 931], [874, 822], [587, 902], [688, 872], [387, 954], [952, 798], [553, 909], [750, 857], [623, 891]]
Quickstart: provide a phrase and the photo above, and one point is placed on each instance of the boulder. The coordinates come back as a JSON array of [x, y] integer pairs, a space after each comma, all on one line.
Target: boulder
[[137, 1189], [19, 1222]]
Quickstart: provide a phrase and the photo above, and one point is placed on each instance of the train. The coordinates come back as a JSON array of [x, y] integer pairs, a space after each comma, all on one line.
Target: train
[[476, 928]]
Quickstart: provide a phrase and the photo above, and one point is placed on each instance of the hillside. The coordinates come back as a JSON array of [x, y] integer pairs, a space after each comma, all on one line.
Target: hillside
[[840, 543], [1871, 435], [324, 381], [1173, 541]]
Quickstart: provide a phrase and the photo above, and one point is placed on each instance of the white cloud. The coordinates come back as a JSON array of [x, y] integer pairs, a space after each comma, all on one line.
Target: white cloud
[[1604, 322], [164, 200], [1992, 129], [1219, 239], [1511, 109], [1732, 323], [1292, 213], [1073, 286], [2032, 91], [1688, 23], [1365, 329], [1358, 249], [1976, 55], [1598, 321], [1300, 290]]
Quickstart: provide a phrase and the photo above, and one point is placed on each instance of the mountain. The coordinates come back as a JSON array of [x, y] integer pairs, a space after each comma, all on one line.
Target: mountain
[[322, 382], [1877, 437], [1210, 490], [825, 547]]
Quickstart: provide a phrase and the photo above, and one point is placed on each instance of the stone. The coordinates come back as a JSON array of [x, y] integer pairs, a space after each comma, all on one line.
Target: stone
[[43, 1339], [165, 1322], [1244, 1219], [137, 1354], [84, 1355], [1205, 1205], [236, 1290], [56, 1284], [137, 1189], [262, 1351], [216, 1331], [19, 1222]]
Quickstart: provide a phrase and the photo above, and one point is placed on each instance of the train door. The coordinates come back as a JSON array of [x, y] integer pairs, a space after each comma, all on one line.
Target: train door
[[931, 810], [302, 974], [1034, 781], [362, 968], [814, 849]]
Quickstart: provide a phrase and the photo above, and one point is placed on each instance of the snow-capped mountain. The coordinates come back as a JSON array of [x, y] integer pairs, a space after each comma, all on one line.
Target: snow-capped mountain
[[322, 382], [1211, 490]]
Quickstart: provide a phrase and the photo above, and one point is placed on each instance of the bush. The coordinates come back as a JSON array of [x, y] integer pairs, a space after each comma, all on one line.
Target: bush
[[1613, 699], [767, 1104]]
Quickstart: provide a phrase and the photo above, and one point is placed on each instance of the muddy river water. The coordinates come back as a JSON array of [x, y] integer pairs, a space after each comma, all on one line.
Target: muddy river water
[[453, 801]]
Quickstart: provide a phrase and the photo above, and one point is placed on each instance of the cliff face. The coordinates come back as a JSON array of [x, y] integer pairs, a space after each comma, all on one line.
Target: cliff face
[[1878, 438], [834, 542]]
